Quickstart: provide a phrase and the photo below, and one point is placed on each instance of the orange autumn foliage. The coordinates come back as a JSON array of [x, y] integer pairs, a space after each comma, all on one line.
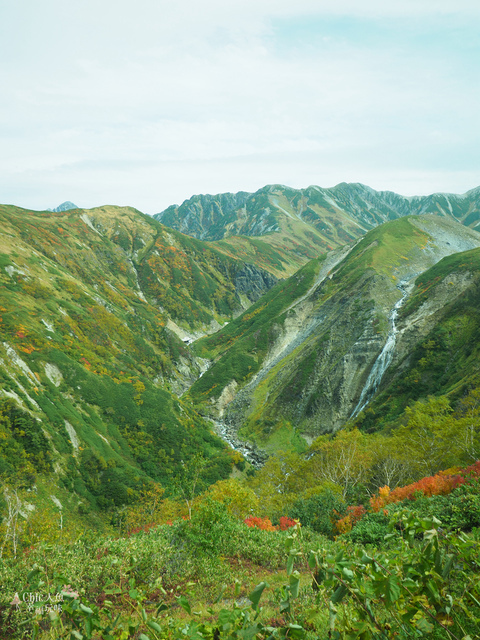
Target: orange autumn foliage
[[439, 484], [354, 514], [260, 523], [266, 523]]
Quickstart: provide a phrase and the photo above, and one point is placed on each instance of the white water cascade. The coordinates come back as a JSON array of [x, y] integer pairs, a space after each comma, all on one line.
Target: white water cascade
[[382, 363], [228, 435]]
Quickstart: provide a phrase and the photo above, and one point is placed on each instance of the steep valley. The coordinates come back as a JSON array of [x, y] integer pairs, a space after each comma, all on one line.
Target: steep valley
[[96, 308], [310, 358], [122, 338]]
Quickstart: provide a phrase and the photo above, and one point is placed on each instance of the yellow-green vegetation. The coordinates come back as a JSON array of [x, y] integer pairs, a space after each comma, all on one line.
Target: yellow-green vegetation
[[158, 567], [88, 362], [214, 577], [282, 253], [262, 252], [384, 250], [240, 347]]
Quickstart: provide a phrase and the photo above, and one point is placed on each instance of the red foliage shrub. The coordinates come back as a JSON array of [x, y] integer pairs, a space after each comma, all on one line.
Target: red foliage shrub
[[440, 484], [266, 523], [354, 514], [260, 523], [286, 523]]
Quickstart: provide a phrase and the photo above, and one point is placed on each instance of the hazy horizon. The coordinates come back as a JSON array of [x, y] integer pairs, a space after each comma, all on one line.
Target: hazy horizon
[[148, 104]]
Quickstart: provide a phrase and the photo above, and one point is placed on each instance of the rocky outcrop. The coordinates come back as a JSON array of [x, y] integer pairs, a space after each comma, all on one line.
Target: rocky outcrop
[[356, 207], [65, 206], [204, 216], [253, 282], [329, 341]]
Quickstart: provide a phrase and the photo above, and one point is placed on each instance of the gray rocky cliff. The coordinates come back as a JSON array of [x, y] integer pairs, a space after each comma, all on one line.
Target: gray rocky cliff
[[328, 345], [253, 282]]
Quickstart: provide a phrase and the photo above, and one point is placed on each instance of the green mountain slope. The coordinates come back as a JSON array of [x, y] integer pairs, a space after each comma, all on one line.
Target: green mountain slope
[[92, 304], [439, 341], [319, 348], [297, 224]]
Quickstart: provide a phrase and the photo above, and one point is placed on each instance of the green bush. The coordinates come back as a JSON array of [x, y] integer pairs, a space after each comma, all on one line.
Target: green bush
[[319, 512], [207, 529], [458, 510], [371, 529]]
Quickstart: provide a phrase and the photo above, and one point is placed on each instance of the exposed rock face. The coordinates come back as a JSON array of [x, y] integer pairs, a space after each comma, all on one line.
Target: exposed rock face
[[253, 282], [54, 374], [348, 209], [65, 206], [415, 327], [316, 380], [328, 343], [204, 216]]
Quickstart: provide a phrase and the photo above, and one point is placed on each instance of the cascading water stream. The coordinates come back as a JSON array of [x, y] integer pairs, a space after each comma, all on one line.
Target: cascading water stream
[[249, 451], [382, 363]]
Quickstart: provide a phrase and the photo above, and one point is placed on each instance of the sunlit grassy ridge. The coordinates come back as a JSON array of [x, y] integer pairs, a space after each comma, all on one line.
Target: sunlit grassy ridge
[[240, 347], [384, 250], [86, 302], [446, 360]]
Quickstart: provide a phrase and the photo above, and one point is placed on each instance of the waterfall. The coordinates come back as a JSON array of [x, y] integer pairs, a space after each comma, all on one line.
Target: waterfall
[[383, 360]]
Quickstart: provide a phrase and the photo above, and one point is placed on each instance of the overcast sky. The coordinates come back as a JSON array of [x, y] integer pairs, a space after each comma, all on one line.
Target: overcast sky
[[147, 102]]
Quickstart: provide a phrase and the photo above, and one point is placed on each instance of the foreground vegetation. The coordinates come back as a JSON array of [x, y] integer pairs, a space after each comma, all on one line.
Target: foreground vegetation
[[122, 514], [403, 564], [397, 571]]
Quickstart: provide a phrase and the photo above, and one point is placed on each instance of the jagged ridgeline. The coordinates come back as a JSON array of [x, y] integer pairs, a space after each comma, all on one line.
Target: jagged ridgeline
[[298, 361], [95, 309], [280, 228]]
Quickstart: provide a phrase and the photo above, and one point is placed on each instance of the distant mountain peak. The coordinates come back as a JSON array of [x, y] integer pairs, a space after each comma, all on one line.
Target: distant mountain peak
[[65, 206]]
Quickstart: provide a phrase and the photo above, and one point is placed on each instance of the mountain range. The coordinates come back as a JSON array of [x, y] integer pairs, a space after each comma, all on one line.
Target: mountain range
[[309, 345], [279, 315], [281, 228], [96, 308]]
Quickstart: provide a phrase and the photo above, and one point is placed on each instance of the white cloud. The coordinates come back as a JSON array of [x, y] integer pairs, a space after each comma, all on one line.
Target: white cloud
[[150, 102]]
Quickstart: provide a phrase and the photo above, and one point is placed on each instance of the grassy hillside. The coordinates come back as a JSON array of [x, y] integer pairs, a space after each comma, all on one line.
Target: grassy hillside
[[240, 348], [253, 333], [445, 359], [299, 367], [90, 307]]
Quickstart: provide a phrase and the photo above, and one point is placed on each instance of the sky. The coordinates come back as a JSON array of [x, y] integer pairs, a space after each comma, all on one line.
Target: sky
[[148, 102]]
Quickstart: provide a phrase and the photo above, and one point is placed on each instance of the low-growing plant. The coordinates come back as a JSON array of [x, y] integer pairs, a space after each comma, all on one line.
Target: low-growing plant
[[427, 588], [371, 529]]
